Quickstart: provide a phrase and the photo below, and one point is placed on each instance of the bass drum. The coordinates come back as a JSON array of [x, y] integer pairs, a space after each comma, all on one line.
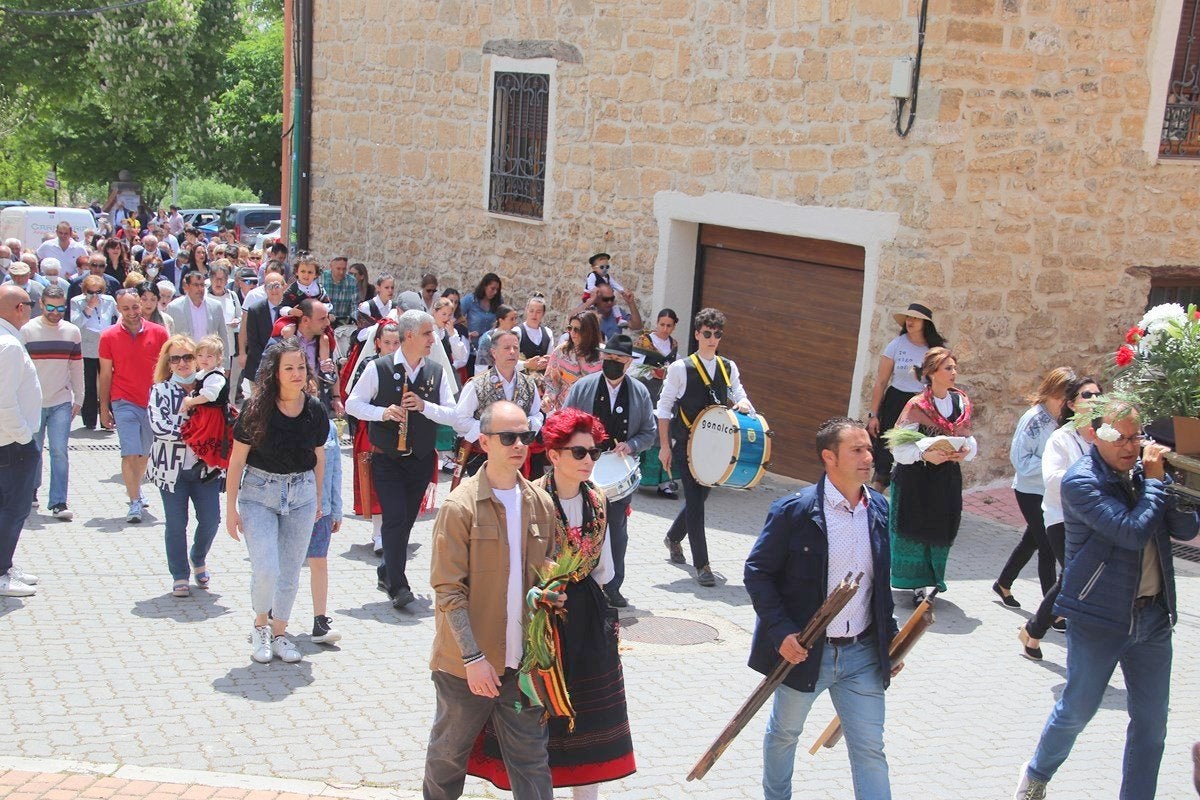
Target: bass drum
[[617, 475], [728, 448]]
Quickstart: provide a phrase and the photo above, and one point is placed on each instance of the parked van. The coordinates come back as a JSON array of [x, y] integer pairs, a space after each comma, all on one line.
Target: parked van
[[248, 220], [31, 223]]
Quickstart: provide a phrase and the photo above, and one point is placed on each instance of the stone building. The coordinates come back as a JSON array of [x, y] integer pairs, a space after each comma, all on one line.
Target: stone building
[[746, 154]]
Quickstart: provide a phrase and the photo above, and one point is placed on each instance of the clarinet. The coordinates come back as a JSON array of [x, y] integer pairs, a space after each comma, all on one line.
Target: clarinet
[[402, 423]]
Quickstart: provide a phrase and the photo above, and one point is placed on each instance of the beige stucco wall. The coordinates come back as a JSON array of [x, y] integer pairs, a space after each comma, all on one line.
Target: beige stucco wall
[[1022, 195]]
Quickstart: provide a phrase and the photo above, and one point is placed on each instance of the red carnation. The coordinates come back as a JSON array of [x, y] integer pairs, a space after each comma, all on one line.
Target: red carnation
[[1133, 335], [1124, 355], [1196, 314]]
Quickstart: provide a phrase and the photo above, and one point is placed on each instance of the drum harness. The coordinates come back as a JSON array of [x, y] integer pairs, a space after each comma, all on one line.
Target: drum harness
[[695, 359]]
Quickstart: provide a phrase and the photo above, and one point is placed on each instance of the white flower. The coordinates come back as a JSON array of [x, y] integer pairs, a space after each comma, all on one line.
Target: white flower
[[1157, 318], [1108, 433]]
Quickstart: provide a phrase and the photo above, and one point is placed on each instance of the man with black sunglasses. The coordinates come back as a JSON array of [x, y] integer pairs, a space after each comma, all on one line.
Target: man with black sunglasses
[[491, 536], [625, 409], [686, 392]]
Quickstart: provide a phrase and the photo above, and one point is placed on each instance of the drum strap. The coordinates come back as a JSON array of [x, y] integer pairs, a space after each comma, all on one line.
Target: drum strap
[[695, 358]]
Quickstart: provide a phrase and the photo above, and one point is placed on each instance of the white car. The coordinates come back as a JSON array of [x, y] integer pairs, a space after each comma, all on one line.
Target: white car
[[268, 237]]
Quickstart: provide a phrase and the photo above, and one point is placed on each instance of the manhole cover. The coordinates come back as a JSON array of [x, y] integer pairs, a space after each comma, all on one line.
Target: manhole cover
[[113, 448], [1188, 552], [667, 630]]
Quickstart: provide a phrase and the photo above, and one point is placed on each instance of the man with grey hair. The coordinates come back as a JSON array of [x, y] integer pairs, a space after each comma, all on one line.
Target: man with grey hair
[[56, 347], [21, 275], [402, 398], [1118, 597], [6, 260], [14, 248], [52, 271]]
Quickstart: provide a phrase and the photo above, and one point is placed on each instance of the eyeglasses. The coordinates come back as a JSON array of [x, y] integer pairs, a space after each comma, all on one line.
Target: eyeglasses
[[509, 438], [274, 285], [29, 303], [56, 309], [1089, 395], [1121, 441], [605, 299], [95, 292], [711, 334], [182, 359], [574, 329], [579, 451]]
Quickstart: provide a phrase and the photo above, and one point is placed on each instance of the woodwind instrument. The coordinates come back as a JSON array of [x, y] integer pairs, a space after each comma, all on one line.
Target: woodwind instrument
[[905, 639], [402, 423], [815, 628]]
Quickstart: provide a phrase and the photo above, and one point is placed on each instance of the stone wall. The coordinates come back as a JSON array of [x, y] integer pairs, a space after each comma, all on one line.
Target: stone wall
[[1023, 190]]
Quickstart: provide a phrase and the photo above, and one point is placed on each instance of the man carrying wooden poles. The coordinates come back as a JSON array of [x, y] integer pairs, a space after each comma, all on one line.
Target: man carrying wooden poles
[[809, 541]]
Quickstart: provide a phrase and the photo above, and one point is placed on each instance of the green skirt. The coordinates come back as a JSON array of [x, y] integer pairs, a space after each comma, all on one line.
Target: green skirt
[[915, 565], [652, 471], [445, 438]]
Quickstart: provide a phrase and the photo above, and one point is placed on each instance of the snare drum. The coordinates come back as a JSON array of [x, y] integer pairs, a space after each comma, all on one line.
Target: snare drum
[[617, 475], [728, 448]]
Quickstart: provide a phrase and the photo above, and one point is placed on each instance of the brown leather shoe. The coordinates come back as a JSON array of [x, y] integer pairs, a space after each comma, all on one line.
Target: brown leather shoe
[[675, 550], [704, 576]]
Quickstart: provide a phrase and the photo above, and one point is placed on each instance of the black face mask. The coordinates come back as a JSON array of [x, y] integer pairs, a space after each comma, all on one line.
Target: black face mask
[[613, 369]]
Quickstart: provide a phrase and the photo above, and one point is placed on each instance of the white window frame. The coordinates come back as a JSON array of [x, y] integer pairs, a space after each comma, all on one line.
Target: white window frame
[[536, 66], [1160, 58]]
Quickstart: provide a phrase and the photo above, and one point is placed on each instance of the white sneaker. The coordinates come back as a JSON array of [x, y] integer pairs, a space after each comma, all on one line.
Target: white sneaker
[[282, 646], [1029, 788], [377, 545], [27, 578], [135, 511], [260, 645], [11, 587]]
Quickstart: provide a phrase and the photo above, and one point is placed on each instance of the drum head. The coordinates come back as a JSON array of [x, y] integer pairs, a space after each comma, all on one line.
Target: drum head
[[611, 469], [713, 446]]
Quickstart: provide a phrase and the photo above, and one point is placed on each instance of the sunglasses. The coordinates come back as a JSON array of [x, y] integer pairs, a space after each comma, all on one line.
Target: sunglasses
[[29, 303], [574, 329], [605, 299], [509, 438], [711, 334], [579, 451], [96, 292], [1089, 395], [56, 309], [182, 359]]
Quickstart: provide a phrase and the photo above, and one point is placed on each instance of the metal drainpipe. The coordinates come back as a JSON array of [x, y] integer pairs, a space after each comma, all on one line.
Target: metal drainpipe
[[303, 119]]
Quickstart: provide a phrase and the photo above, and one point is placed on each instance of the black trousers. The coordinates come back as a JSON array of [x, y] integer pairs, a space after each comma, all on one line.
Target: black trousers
[[1056, 534], [689, 523], [90, 409], [1033, 540], [400, 483]]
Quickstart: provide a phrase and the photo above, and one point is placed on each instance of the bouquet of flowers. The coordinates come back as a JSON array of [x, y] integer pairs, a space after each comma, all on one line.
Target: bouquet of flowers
[[1158, 367]]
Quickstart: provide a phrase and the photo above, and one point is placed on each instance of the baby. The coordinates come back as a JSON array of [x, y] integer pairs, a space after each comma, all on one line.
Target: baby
[[306, 285]]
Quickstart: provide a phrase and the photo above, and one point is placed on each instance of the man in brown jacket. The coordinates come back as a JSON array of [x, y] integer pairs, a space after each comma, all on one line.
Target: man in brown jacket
[[491, 534]]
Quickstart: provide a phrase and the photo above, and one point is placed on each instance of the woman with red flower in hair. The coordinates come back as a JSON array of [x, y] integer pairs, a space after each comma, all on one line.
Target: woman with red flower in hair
[[596, 745]]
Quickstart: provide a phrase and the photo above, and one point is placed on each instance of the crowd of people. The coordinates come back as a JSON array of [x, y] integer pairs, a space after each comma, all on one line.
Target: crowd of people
[[225, 370]]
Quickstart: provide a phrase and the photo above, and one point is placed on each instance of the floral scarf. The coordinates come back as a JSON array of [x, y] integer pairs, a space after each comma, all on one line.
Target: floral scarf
[[587, 539], [933, 419]]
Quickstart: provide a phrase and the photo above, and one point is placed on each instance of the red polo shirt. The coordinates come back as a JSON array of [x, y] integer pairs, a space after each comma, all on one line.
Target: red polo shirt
[[134, 357]]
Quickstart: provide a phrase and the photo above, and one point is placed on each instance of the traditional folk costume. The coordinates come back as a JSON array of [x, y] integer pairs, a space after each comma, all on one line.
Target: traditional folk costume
[[532, 349], [926, 499], [486, 388], [657, 355], [595, 744], [208, 429], [401, 476]]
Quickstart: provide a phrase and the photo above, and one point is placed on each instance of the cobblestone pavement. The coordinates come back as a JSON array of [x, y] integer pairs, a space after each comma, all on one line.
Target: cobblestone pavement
[[105, 670]]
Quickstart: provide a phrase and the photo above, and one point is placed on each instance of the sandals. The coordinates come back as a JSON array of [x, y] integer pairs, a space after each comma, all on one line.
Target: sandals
[[202, 578], [181, 589]]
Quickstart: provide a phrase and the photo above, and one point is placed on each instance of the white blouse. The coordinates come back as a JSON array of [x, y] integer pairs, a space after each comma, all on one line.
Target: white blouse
[[573, 508]]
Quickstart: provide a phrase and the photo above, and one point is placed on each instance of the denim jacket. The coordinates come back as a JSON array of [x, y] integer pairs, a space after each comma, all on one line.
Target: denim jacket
[[1106, 534], [331, 492]]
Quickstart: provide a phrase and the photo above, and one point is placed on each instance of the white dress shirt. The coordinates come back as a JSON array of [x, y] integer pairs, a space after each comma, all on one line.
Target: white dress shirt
[[468, 402], [20, 410], [675, 384], [458, 347], [848, 539], [359, 405], [1064, 447]]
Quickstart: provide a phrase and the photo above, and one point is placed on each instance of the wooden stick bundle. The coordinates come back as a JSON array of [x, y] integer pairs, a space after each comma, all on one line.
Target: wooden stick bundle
[[815, 628], [462, 453], [906, 639], [366, 497]]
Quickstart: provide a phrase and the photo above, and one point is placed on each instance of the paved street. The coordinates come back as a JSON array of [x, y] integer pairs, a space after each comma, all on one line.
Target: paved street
[[105, 670]]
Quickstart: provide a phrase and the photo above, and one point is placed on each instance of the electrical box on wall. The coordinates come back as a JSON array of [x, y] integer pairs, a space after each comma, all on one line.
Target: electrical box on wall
[[902, 78]]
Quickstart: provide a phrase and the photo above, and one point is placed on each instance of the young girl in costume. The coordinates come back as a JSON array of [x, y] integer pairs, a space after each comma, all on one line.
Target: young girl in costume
[[306, 285], [209, 429]]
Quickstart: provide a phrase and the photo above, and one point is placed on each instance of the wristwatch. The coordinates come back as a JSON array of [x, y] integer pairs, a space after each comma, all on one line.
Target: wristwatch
[[870, 415]]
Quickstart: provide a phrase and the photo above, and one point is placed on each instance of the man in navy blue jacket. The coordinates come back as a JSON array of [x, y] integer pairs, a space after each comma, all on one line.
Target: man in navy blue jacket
[[1118, 596], [810, 540]]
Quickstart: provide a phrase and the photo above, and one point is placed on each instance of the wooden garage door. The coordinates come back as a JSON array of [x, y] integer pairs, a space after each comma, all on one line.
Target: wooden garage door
[[793, 307]]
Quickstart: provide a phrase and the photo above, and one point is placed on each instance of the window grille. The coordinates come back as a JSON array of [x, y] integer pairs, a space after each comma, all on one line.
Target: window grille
[[1181, 124], [520, 122]]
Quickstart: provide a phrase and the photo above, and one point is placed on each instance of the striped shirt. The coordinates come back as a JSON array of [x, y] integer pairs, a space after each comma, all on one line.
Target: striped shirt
[[57, 356]]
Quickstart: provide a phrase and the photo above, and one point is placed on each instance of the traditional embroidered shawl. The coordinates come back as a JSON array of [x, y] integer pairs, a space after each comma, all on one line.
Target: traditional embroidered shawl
[[923, 411], [489, 387]]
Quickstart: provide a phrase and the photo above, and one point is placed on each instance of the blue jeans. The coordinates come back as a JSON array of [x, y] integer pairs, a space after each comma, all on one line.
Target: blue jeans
[[855, 684], [18, 464], [1093, 652], [278, 513], [206, 499], [56, 421]]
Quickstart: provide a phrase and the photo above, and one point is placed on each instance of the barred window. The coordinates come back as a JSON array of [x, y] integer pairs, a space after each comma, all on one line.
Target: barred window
[[520, 133], [1181, 124], [1181, 288]]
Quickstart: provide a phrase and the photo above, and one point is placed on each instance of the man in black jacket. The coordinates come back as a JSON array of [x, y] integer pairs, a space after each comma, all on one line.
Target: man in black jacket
[[810, 540], [259, 319]]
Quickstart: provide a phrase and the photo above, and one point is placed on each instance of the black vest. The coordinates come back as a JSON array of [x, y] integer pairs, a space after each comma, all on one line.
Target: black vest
[[616, 421], [529, 349], [696, 396], [422, 431]]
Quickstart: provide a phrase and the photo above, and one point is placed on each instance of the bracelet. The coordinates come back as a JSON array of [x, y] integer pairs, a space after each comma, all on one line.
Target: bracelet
[[472, 658]]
